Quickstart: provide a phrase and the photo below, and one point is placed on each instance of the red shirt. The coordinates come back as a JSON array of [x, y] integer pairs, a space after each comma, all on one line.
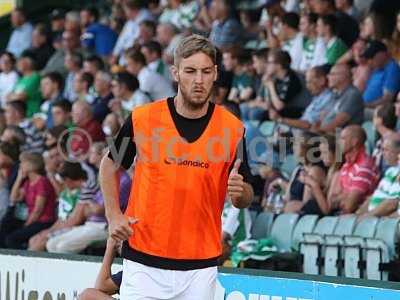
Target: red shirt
[[83, 136], [359, 173], [42, 187]]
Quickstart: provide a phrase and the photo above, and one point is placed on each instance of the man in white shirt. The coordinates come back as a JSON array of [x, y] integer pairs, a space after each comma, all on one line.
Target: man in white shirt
[[21, 37], [135, 14], [153, 84]]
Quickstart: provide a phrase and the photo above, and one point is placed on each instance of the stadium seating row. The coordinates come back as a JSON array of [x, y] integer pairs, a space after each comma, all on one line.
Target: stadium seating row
[[334, 245]]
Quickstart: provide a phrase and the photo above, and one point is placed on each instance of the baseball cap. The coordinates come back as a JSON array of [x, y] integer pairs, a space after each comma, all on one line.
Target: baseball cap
[[57, 14], [373, 48]]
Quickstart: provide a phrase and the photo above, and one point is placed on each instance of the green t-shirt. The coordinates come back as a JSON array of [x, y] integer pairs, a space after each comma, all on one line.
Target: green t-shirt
[[66, 202], [336, 48], [388, 188], [30, 85]]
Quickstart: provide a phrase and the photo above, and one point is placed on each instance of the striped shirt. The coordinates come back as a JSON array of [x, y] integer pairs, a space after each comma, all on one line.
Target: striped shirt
[[388, 188], [358, 173], [91, 186], [34, 141]]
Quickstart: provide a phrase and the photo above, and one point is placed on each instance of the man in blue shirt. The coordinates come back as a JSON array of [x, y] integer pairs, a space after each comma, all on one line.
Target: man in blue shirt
[[384, 82], [21, 37], [97, 37]]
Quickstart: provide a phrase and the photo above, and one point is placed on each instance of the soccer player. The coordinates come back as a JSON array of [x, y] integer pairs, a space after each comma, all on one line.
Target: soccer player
[[189, 154]]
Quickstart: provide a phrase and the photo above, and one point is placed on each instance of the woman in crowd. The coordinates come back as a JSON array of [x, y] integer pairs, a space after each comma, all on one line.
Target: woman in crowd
[[34, 189]]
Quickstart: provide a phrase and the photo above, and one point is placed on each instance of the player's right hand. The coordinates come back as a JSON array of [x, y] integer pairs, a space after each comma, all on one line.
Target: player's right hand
[[120, 227]]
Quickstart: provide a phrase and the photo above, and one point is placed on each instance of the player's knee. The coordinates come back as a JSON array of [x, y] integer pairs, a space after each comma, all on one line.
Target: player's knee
[[88, 294]]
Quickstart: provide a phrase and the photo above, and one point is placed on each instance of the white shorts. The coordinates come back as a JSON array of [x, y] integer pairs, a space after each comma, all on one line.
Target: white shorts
[[140, 282]]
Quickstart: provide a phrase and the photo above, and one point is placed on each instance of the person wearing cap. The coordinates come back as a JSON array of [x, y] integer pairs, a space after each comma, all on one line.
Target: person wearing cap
[[384, 82], [57, 17], [70, 212]]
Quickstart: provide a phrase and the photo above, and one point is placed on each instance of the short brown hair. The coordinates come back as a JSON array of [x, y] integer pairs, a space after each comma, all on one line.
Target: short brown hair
[[36, 160], [193, 44]]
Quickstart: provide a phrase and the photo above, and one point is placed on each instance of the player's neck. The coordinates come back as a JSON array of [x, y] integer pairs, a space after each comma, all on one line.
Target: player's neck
[[188, 111]]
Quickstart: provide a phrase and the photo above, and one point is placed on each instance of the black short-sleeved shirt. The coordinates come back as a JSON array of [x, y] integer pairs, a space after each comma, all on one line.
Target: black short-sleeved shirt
[[189, 129], [287, 89]]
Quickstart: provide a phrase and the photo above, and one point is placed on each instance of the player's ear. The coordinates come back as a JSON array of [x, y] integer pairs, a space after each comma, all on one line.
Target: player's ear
[[215, 73], [174, 72]]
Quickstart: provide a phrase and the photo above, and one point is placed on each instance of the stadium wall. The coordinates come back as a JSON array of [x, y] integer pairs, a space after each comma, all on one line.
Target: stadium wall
[[33, 276]]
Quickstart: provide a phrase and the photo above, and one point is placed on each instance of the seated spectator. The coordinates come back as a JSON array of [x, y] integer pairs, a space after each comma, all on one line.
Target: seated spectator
[[321, 191], [51, 87], [83, 81], [153, 53], [147, 33], [313, 47], [153, 84], [348, 107], [361, 71], [385, 124], [180, 13], [385, 199], [358, 175], [9, 165], [95, 227], [102, 86], [8, 76], [55, 135], [41, 49], [35, 190], [16, 115], [14, 135], [21, 36], [93, 64], [282, 85], [291, 40], [111, 125], [295, 195], [61, 113], [87, 129], [97, 37], [135, 13], [335, 47], [347, 7], [237, 61], [256, 109], [70, 211], [321, 104], [346, 26], [125, 88], [169, 37], [384, 82], [70, 44], [226, 30], [73, 64], [57, 24], [27, 88], [53, 161], [107, 284]]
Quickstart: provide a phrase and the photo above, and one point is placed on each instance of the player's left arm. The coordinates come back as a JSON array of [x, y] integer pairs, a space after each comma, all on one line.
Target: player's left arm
[[240, 190]]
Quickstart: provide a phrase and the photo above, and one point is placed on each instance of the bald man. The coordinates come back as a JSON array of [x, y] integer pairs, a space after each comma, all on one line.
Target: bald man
[[87, 130], [385, 199], [349, 106], [358, 175]]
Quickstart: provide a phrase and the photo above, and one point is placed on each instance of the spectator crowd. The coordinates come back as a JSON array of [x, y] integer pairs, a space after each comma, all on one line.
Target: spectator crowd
[[316, 81]]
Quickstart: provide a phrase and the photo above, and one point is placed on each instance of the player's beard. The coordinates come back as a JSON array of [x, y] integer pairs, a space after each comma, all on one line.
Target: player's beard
[[194, 105]]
